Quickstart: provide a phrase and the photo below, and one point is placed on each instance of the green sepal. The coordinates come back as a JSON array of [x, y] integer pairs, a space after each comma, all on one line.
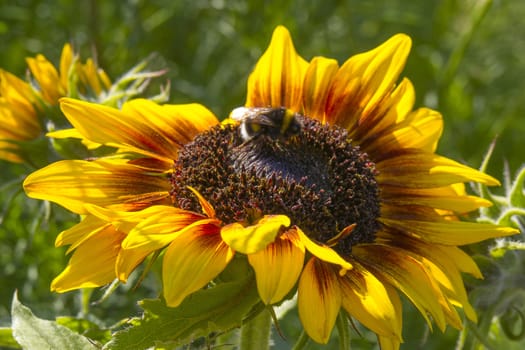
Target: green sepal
[[516, 195]]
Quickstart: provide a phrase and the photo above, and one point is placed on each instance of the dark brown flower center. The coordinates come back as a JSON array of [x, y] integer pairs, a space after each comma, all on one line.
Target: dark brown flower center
[[317, 178]]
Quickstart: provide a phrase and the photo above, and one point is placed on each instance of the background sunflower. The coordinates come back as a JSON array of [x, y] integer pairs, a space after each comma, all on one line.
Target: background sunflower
[[465, 62]]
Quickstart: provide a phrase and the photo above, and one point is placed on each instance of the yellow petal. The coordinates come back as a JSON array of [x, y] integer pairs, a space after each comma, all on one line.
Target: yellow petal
[[207, 208], [451, 284], [391, 111], [400, 269], [439, 197], [160, 229], [420, 130], [172, 125], [76, 235], [278, 266], [462, 260], [47, 78], [92, 263], [364, 80], [317, 83], [438, 261], [116, 183], [449, 232], [149, 230], [367, 299], [10, 153], [423, 170], [18, 98], [323, 252], [277, 79], [452, 254], [74, 134], [319, 300], [128, 220], [16, 126], [90, 75], [386, 343], [251, 239], [142, 126], [127, 261], [64, 134], [66, 61], [191, 261]]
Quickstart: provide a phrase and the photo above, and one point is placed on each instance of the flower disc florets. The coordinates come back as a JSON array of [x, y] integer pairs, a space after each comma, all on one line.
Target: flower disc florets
[[317, 178]]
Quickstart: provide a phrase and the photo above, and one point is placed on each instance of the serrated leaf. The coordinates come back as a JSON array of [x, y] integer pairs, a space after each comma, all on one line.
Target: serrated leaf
[[32, 332], [86, 328], [219, 308]]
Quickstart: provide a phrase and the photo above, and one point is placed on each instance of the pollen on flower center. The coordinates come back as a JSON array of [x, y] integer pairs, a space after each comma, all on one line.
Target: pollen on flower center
[[317, 178]]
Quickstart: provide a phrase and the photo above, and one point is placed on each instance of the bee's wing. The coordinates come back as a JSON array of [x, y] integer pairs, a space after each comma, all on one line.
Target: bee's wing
[[263, 119]]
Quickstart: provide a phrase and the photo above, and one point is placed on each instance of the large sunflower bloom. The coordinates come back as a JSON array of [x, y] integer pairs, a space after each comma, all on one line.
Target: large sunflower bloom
[[23, 105], [355, 207]]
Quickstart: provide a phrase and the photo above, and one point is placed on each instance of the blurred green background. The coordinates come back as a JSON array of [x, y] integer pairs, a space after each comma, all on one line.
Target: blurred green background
[[466, 61]]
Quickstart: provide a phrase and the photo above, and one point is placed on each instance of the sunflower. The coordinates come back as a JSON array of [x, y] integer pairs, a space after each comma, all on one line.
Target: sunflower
[[18, 114], [350, 209], [25, 106]]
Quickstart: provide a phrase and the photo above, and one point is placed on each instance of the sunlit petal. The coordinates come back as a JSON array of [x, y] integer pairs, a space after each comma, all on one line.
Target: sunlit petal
[[423, 170], [367, 299], [319, 299], [277, 79], [399, 269], [71, 183], [128, 260], [142, 125], [421, 130], [159, 230], [76, 235], [47, 78], [449, 232], [364, 79], [253, 238], [101, 251], [317, 82], [278, 266], [439, 197], [191, 261], [66, 62], [323, 252]]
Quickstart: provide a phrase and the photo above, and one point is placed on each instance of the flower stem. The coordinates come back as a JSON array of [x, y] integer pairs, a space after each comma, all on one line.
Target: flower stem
[[343, 327], [255, 334], [478, 13], [301, 342], [85, 295]]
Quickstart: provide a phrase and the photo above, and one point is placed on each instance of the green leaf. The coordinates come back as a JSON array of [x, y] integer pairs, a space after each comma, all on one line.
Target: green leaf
[[217, 309], [7, 340], [32, 332], [86, 328], [517, 196]]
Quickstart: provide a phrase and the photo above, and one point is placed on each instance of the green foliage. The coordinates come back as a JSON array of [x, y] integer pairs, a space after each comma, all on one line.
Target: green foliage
[[214, 310], [6, 339], [32, 332], [466, 62]]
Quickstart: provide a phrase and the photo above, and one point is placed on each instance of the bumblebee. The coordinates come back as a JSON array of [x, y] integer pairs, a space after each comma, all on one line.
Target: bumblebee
[[275, 123]]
